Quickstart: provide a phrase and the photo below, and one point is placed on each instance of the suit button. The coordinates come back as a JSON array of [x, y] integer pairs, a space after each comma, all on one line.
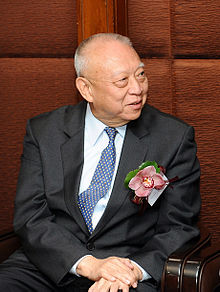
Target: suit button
[[90, 245]]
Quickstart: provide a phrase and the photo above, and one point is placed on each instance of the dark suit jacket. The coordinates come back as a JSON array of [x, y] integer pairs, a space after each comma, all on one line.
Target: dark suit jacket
[[48, 221]]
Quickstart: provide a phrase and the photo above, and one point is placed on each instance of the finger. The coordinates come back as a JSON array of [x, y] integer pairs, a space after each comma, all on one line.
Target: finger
[[100, 286], [114, 288], [122, 263], [121, 277], [114, 268], [127, 262], [126, 269], [134, 285], [118, 272], [119, 286]]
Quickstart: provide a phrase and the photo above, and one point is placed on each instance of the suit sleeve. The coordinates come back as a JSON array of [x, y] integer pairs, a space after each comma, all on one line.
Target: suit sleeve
[[178, 209], [52, 248]]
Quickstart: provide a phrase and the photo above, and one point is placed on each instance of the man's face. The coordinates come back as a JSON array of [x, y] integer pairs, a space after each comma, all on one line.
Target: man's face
[[117, 81]]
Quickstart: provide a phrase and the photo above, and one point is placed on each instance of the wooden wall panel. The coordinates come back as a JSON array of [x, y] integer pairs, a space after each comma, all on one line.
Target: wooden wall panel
[[196, 28], [180, 44], [38, 28], [28, 86], [160, 86], [198, 103], [149, 27]]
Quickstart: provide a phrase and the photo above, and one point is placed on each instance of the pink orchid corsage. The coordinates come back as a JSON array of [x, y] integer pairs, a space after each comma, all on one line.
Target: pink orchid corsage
[[148, 177]]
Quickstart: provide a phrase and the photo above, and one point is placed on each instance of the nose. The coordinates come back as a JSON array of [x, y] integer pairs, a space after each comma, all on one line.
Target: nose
[[135, 86]]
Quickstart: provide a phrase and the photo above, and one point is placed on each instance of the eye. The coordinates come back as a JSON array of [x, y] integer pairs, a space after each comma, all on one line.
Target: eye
[[121, 82], [141, 76]]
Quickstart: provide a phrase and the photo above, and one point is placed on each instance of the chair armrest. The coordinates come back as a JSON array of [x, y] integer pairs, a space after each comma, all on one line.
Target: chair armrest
[[9, 242], [202, 270], [172, 277]]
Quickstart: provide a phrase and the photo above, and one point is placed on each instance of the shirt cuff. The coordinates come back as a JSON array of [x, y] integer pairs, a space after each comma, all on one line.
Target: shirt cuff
[[145, 275], [74, 267]]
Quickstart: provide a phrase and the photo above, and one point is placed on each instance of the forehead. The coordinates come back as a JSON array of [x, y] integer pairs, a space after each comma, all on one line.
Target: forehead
[[112, 58]]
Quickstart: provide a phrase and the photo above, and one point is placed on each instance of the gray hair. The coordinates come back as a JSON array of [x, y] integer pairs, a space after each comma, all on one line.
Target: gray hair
[[81, 60]]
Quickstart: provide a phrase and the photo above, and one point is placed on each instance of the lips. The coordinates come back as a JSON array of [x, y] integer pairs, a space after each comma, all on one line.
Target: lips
[[136, 103], [136, 106]]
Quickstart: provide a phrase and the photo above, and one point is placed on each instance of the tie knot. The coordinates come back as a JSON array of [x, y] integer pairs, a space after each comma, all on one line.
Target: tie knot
[[111, 133]]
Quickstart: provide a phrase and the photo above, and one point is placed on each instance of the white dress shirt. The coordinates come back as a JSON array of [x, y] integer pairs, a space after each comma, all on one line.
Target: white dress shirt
[[95, 141]]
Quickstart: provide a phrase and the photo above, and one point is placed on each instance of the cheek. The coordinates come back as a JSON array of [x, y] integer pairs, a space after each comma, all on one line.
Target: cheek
[[111, 99], [117, 98], [145, 87]]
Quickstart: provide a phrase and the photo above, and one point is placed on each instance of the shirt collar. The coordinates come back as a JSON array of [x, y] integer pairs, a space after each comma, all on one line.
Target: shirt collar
[[94, 127]]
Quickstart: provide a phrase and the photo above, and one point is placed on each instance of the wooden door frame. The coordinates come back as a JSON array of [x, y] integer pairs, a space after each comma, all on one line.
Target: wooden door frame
[[101, 16]]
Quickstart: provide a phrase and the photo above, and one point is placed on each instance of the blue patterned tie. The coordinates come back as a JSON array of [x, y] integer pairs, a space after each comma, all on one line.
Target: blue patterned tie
[[101, 180]]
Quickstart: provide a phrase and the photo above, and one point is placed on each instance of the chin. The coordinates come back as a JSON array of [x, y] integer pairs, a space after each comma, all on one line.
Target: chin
[[134, 116]]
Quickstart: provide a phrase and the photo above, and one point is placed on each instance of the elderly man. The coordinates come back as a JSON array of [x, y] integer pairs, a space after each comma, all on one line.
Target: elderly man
[[81, 229]]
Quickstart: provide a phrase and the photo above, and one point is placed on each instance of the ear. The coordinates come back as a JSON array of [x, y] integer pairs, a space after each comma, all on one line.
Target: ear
[[84, 87]]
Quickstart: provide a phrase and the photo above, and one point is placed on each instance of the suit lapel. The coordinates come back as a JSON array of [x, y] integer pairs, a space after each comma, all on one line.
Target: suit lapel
[[133, 154], [72, 158]]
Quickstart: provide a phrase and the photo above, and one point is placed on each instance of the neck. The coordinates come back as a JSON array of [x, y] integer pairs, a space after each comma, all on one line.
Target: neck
[[110, 123]]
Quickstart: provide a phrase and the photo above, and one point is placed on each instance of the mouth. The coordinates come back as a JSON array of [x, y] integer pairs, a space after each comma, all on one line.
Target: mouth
[[136, 104]]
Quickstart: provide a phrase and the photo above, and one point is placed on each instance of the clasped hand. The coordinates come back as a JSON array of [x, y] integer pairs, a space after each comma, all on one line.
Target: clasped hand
[[109, 274]]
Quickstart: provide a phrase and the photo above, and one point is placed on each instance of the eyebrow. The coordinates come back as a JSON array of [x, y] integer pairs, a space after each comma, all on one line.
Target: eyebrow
[[141, 65]]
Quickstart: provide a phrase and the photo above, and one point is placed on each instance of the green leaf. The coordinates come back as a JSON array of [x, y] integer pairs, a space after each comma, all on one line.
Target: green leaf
[[149, 163], [129, 176]]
